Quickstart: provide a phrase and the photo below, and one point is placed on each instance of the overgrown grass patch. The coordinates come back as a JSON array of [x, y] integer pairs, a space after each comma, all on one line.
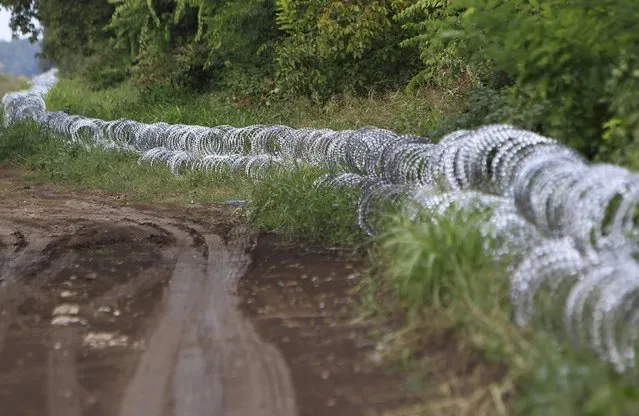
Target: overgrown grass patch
[[430, 265], [397, 111], [75, 96], [49, 158], [288, 203], [434, 277]]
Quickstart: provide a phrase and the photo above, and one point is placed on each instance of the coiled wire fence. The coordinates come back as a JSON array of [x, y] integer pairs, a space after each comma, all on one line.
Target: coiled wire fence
[[569, 227]]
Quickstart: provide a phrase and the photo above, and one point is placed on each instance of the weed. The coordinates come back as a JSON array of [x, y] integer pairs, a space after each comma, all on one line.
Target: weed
[[289, 203], [430, 264]]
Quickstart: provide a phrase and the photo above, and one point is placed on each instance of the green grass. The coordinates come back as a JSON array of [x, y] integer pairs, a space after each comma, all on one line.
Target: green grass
[[397, 111], [289, 204], [126, 101], [434, 276], [50, 159], [430, 265]]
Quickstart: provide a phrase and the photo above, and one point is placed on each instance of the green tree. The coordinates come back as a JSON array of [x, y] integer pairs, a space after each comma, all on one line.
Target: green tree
[[331, 46], [192, 44], [573, 65]]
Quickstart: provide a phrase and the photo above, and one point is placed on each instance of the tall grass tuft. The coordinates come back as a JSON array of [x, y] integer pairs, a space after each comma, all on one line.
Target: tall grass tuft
[[288, 203], [441, 259]]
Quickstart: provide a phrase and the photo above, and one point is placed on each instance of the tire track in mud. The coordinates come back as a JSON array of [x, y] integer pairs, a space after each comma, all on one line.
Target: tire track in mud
[[250, 364], [201, 356], [221, 365], [63, 390], [146, 393]]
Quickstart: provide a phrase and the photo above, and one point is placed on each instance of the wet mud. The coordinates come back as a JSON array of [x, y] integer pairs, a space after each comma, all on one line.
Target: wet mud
[[111, 308]]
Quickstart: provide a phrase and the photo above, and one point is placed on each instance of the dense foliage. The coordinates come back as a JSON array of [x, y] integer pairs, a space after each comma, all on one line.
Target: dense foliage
[[336, 46], [573, 64], [567, 68]]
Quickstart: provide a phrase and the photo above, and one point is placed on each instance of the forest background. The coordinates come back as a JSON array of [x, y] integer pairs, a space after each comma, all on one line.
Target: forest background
[[564, 68]]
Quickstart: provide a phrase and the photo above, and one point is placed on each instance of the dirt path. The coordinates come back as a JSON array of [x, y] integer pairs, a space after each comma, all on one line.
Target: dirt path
[[113, 309], [200, 355]]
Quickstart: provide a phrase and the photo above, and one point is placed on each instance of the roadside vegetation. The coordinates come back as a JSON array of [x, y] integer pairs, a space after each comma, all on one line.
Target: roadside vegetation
[[433, 277], [566, 69], [286, 204]]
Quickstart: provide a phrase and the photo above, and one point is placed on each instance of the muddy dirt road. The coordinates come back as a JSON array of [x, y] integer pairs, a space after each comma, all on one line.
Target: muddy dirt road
[[112, 309]]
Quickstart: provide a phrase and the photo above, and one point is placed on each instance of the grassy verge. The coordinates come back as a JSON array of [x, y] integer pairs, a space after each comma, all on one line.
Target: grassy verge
[[48, 158], [287, 204], [432, 278]]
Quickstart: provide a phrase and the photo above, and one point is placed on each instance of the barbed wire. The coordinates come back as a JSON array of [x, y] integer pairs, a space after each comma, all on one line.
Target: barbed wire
[[569, 227]]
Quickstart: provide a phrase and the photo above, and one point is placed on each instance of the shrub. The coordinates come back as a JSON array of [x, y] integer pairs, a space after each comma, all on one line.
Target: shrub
[[575, 61], [426, 21], [189, 45], [336, 46]]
